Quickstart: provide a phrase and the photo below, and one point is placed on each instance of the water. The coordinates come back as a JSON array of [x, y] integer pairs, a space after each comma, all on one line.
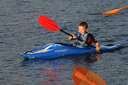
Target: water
[[19, 31]]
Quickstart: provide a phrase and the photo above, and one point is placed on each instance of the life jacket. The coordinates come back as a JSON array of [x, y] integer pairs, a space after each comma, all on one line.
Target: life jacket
[[86, 39]]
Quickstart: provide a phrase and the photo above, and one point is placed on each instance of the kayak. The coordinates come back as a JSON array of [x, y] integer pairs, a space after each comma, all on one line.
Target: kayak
[[59, 50]]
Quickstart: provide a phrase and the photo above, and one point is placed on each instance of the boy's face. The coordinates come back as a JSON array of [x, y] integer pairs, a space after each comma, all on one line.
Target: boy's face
[[82, 29]]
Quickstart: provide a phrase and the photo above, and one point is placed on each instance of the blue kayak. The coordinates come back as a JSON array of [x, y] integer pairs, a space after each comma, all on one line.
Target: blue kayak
[[59, 50]]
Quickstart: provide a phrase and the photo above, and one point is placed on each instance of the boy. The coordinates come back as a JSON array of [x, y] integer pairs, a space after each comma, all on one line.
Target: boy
[[84, 38]]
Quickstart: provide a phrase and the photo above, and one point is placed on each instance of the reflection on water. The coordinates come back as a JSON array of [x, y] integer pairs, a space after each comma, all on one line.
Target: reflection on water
[[52, 77], [51, 74], [93, 58]]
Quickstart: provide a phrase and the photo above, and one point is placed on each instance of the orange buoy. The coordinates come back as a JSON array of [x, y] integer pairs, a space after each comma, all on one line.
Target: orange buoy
[[114, 11], [83, 76]]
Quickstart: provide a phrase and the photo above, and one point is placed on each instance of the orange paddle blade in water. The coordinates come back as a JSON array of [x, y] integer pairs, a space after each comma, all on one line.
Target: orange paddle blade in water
[[83, 76], [114, 11]]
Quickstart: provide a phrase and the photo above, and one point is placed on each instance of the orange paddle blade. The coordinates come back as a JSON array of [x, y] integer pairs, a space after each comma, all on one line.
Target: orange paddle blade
[[114, 11], [83, 76], [48, 24]]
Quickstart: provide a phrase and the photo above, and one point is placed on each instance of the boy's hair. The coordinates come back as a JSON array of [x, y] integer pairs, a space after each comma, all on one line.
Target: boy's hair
[[84, 24]]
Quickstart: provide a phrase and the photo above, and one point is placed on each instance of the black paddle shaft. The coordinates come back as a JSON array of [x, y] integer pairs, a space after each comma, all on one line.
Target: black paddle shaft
[[70, 34], [66, 33]]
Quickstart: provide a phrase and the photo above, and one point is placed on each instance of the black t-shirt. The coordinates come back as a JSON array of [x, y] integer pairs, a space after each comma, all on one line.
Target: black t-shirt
[[90, 39]]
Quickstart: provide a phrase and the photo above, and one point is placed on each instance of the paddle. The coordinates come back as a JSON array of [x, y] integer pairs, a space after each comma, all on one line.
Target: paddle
[[84, 76], [114, 11], [50, 25]]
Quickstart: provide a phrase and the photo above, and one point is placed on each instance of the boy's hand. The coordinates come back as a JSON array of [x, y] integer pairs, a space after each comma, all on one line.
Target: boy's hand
[[98, 47], [72, 37]]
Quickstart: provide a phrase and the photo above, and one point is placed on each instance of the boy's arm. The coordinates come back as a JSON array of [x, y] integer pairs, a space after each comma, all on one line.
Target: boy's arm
[[97, 44], [72, 38]]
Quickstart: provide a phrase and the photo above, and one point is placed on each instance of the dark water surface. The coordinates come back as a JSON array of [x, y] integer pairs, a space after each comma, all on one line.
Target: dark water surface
[[19, 31]]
